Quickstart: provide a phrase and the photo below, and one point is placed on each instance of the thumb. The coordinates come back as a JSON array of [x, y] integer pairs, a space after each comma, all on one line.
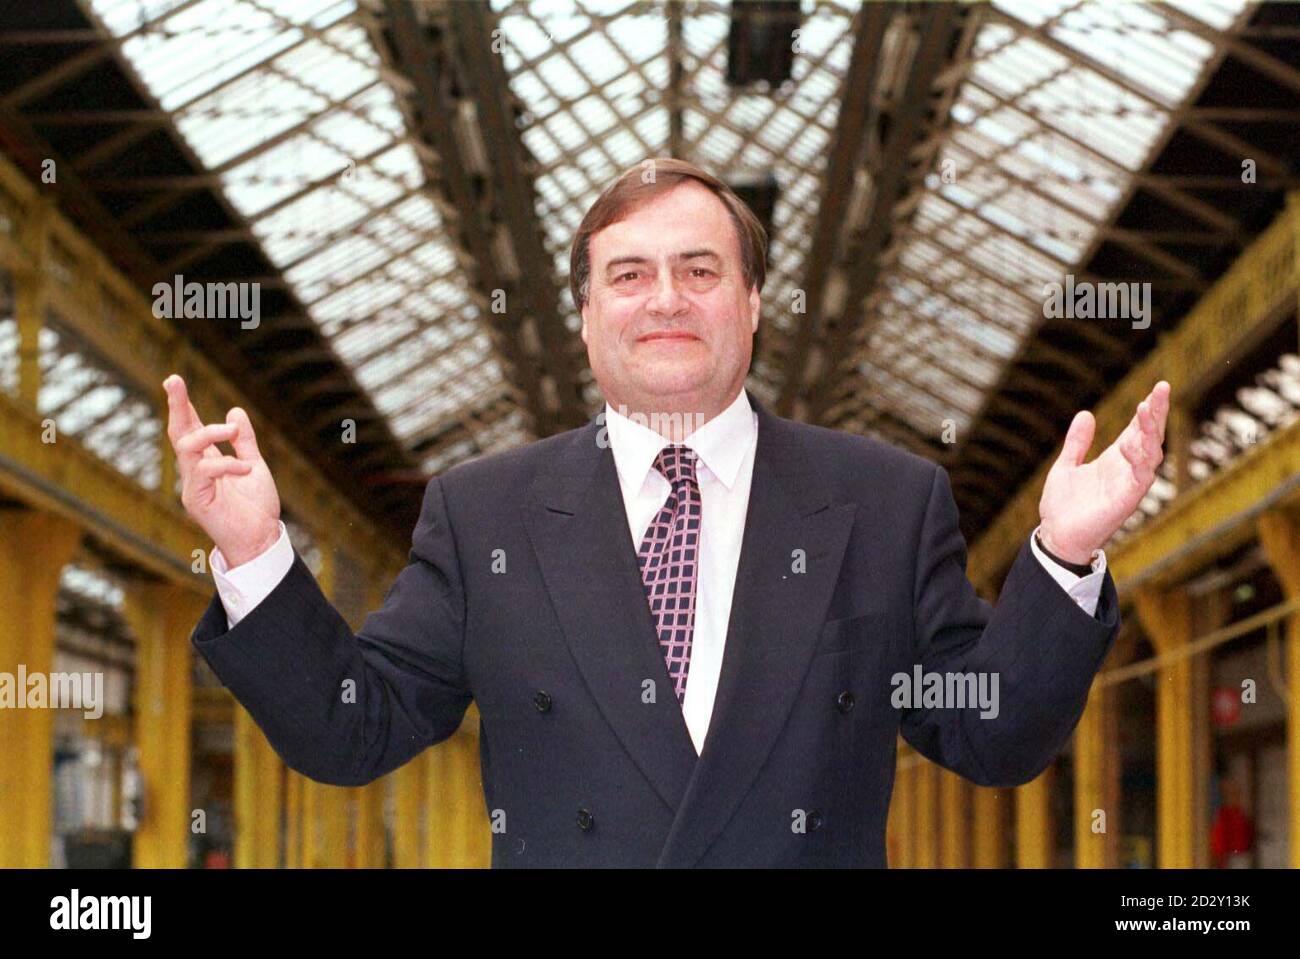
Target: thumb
[[1078, 440], [244, 442]]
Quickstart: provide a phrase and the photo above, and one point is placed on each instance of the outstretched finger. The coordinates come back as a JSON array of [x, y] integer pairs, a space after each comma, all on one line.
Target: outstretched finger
[[182, 418], [1078, 440], [1148, 430], [1159, 403]]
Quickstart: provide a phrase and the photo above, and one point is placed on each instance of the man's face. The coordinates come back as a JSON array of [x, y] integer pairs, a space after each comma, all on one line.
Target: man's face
[[669, 324]]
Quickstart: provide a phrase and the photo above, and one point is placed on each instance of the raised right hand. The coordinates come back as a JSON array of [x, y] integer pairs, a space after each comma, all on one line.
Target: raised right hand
[[233, 498]]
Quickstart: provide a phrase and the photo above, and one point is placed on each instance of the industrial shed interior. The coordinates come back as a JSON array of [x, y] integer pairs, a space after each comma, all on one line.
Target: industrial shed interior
[[380, 169]]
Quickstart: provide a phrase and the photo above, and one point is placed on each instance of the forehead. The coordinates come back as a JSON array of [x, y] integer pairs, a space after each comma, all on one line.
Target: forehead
[[688, 216]]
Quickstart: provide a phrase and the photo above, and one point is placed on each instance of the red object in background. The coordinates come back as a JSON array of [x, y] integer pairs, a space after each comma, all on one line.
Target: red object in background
[[1225, 706], [1231, 833], [216, 859]]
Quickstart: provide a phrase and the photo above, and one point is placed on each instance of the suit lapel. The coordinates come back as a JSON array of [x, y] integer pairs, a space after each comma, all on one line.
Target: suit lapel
[[577, 524], [776, 616]]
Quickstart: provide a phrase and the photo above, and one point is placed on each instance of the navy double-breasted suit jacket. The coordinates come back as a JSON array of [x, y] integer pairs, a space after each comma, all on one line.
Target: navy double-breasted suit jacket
[[798, 765]]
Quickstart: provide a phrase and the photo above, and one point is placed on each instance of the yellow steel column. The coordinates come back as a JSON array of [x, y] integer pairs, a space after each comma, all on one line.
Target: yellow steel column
[[294, 856], [988, 844], [369, 832], [324, 808], [478, 829], [1210, 611], [1035, 833], [1094, 806], [456, 817], [440, 807], [927, 789], [1166, 618], [161, 616], [410, 786], [954, 793], [34, 548], [324, 825], [901, 808], [259, 775], [1280, 535]]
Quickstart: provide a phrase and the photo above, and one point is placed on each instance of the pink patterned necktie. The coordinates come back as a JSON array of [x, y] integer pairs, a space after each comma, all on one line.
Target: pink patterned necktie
[[669, 559]]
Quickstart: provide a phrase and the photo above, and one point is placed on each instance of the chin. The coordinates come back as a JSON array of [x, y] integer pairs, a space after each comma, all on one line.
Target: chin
[[674, 379]]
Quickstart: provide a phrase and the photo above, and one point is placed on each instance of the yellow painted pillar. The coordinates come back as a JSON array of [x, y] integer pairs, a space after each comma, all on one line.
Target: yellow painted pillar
[[1095, 810], [988, 845], [927, 800], [477, 843], [1210, 611], [369, 835], [34, 548], [1280, 536], [324, 808], [901, 808], [294, 857], [1035, 833], [410, 786], [457, 820], [259, 778], [954, 801], [440, 809], [324, 825], [161, 616], [1166, 618], [369, 831]]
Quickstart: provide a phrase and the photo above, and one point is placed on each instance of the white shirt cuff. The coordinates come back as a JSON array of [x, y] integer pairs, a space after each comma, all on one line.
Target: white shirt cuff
[[243, 587], [1084, 590]]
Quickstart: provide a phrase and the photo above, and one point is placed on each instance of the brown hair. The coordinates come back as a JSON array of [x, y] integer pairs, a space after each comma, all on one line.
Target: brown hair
[[648, 179]]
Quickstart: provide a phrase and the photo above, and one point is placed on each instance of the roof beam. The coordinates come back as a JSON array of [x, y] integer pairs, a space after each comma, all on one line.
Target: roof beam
[[482, 69], [937, 25], [857, 117]]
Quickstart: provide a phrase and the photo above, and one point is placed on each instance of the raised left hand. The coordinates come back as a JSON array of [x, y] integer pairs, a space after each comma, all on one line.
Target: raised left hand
[[1084, 503]]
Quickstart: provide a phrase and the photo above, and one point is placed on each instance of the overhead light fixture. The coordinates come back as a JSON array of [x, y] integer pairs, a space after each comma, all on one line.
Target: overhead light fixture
[[470, 136], [760, 44], [760, 191]]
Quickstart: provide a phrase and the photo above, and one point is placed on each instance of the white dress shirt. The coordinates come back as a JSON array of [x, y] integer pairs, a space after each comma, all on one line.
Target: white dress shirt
[[724, 447]]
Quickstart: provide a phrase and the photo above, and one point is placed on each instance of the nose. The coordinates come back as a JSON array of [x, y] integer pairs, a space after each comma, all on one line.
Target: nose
[[666, 298]]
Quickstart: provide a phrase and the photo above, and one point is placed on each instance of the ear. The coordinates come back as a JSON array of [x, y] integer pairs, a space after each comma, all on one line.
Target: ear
[[585, 308], [755, 307]]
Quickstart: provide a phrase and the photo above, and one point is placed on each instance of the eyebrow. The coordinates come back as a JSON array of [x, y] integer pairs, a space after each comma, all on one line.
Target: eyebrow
[[703, 252]]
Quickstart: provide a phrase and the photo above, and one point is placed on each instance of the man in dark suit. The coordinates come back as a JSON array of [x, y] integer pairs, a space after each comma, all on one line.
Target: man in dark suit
[[693, 628]]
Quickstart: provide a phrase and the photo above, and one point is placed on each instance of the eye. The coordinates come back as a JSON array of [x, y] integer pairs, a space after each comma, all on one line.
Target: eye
[[701, 271], [624, 276]]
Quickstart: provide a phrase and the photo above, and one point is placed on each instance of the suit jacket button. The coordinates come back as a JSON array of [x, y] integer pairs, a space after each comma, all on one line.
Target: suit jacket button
[[814, 821], [585, 820], [844, 701], [543, 702]]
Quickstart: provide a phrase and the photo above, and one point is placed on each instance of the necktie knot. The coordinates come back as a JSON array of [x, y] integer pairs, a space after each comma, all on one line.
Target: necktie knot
[[677, 464]]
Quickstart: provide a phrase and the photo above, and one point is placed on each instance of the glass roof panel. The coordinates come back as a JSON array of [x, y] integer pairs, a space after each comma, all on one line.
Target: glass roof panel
[[1045, 134], [326, 175]]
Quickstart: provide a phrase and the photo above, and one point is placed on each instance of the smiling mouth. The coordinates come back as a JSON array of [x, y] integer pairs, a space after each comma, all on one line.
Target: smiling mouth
[[652, 337]]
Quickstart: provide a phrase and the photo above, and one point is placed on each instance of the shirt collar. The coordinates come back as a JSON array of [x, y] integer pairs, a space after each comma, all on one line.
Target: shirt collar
[[720, 444]]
